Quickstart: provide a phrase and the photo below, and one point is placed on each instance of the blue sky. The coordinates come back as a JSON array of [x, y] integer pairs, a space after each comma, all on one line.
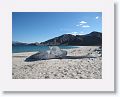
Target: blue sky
[[41, 26]]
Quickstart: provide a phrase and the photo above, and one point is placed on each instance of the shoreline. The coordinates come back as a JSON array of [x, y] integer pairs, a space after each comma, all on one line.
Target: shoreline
[[63, 49], [85, 66]]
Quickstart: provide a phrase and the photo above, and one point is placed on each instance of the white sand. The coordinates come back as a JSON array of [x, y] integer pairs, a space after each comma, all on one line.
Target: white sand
[[88, 65]]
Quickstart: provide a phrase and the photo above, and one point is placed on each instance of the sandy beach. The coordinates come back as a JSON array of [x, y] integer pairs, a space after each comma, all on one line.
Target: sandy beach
[[82, 63]]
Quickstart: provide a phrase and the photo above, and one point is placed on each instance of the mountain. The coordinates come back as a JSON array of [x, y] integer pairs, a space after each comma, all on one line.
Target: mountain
[[18, 43], [92, 39], [35, 44], [21, 43]]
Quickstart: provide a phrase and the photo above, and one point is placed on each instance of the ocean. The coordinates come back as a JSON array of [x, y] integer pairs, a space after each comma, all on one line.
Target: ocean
[[28, 48]]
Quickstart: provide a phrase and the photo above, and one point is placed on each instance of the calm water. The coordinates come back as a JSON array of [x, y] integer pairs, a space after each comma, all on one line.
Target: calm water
[[18, 49]]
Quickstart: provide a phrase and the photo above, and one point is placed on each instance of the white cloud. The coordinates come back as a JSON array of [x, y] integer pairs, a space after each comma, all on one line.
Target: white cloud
[[97, 17], [74, 33], [81, 33], [83, 22], [77, 25], [85, 26]]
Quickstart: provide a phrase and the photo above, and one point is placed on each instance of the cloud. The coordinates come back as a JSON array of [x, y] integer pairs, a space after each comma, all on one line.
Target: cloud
[[83, 22], [77, 33], [74, 33], [80, 34], [96, 17], [85, 26], [77, 25]]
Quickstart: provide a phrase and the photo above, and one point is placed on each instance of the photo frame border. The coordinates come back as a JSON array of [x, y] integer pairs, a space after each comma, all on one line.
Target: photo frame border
[[104, 84]]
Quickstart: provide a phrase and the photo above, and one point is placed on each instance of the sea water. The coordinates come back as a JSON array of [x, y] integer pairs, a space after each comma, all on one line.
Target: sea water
[[29, 48]]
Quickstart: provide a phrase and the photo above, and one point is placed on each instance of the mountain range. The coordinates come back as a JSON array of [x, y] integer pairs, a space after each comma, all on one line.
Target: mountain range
[[92, 39]]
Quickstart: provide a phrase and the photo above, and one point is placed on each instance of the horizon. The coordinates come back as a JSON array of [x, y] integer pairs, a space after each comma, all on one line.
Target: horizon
[[51, 38], [30, 27]]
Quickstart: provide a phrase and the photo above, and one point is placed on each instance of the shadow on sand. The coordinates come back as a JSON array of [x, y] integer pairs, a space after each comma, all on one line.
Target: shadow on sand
[[66, 57]]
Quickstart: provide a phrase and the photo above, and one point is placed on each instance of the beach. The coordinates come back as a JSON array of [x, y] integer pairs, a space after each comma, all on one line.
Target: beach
[[84, 62]]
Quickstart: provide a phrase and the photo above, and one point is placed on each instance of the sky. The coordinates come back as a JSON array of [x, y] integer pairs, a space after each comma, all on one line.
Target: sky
[[40, 26]]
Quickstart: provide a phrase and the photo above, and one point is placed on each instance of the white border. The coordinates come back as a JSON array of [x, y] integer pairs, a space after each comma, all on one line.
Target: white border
[[104, 84]]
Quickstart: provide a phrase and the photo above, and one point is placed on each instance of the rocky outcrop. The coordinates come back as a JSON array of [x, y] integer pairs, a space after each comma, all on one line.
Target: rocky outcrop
[[54, 52]]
